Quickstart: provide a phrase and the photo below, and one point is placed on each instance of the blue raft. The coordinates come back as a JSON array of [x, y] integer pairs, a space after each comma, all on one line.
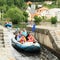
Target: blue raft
[[27, 46], [8, 25]]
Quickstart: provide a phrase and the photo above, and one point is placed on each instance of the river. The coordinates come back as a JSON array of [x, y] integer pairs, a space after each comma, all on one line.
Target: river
[[44, 54]]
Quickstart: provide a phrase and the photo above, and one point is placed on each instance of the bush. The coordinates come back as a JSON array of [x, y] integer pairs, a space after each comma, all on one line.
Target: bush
[[37, 19], [26, 16], [53, 20], [24, 7]]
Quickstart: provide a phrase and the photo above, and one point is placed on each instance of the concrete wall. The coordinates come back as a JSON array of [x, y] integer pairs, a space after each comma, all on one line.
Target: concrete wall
[[45, 37]]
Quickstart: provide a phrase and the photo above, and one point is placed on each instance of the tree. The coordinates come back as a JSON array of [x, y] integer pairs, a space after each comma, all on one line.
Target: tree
[[10, 2], [15, 15], [2, 6], [19, 3], [2, 2], [25, 14], [24, 7], [37, 19]]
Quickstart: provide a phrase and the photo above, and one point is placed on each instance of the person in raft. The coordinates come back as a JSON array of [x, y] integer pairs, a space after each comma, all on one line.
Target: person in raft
[[24, 32], [22, 39], [30, 38], [17, 36]]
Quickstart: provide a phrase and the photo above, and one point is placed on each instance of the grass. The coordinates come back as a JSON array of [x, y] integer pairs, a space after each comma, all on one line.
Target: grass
[[50, 6], [53, 5], [19, 26]]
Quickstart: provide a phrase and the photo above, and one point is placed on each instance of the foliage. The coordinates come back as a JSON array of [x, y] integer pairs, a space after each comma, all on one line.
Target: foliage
[[19, 25], [7, 4], [2, 2], [19, 3], [24, 7], [26, 16], [35, 0], [10, 2], [39, 0], [53, 5], [37, 19], [15, 14], [58, 3], [2, 5], [53, 20], [44, 18], [13, 10]]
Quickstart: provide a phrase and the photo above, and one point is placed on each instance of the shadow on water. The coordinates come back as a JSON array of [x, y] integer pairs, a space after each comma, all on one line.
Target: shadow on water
[[27, 53], [50, 50]]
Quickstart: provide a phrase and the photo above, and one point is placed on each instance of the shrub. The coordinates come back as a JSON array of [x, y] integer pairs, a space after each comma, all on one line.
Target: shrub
[[53, 20], [37, 19], [26, 16]]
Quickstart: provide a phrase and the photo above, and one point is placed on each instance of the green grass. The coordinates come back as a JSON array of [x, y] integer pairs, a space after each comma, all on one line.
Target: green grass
[[50, 6], [53, 5], [19, 26]]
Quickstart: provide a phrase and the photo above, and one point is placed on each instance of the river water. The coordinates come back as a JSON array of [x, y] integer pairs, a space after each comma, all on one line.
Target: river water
[[44, 54]]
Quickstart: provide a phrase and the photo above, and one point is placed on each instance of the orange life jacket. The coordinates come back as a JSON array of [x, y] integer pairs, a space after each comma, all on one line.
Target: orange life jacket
[[30, 38], [22, 39]]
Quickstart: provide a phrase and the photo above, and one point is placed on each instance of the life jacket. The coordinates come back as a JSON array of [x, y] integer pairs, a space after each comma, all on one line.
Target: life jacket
[[30, 38], [22, 39]]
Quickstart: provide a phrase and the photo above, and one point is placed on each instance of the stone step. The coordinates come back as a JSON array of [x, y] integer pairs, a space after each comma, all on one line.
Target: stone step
[[58, 42], [1, 38], [5, 44], [2, 45], [1, 35], [2, 42], [1, 30]]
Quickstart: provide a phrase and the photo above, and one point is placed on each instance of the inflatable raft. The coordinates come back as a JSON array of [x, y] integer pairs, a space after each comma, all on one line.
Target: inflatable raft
[[8, 25], [27, 46]]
